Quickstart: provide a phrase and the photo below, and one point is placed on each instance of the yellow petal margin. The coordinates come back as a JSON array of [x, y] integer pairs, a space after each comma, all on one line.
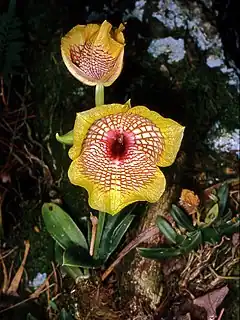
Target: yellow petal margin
[[77, 36], [112, 199], [84, 121], [171, 131]]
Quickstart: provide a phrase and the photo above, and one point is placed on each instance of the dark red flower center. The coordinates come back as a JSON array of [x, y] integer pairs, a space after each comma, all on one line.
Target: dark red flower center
[[118, 144]]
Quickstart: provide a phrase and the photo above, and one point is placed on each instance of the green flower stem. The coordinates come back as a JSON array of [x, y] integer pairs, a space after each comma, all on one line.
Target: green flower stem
[[99, 95], [99, 100], [100, 227]]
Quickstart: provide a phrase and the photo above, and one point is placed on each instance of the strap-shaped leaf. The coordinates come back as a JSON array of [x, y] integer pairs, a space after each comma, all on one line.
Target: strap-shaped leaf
[[111, 222], [110, 225], [159, 253], [165, 227], [61, 227], [228, 229], [222, 195], [100, 228], [181, 218], [227, 216], [211, 235], [77, 256], [115, 235], [119, 232], [193, 240], [212, 215]]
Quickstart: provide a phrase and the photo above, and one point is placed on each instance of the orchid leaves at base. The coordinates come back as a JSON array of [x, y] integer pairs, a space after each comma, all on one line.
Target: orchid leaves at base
[[61, 227], [72, 246], [217, 223]]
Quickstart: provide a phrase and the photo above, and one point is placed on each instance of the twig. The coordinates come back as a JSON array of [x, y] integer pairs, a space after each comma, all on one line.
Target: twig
[[56, 278], [221, 314], [2, 94], [23, 301], [17, 278], [222, 277], [9, 252], [5, 276], [38, 291]]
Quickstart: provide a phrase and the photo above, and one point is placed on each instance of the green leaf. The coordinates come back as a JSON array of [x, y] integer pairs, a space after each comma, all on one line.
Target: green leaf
[[66, 138], [181, 218], [227, 216], [111, 223], [109, 226], [222, 195], [210, 235], [228, 229], [76, 256], [100, 228], [64, 315], [193, 240], [74, 272], [165, 227], [118, 233], [159, 253], [61, 227], [212, 215], [58, 252], [114, 230]]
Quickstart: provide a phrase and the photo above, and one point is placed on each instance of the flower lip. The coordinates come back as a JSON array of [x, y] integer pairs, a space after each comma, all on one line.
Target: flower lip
[[116, 153], [118, 144]]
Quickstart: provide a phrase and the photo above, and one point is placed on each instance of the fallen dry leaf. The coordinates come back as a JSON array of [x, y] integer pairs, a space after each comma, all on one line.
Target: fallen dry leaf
[[211, 301]]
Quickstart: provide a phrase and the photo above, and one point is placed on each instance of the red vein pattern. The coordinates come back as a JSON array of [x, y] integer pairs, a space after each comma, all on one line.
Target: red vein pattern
[[92, 60], [120, 151]]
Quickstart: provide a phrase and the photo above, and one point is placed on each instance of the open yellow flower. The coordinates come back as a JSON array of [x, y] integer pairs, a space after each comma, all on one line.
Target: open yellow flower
[[116, 153], [94, 53]]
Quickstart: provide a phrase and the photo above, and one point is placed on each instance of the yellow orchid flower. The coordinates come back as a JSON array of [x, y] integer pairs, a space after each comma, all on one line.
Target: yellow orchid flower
[[94, 53], [116, 153]]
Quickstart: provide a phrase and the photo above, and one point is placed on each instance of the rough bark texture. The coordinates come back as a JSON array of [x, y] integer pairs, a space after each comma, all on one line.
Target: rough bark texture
[[142, 282]]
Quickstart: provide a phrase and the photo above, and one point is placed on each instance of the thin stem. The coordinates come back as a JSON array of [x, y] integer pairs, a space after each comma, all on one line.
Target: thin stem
[[94, 221], [100, 226], [99, 95]]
